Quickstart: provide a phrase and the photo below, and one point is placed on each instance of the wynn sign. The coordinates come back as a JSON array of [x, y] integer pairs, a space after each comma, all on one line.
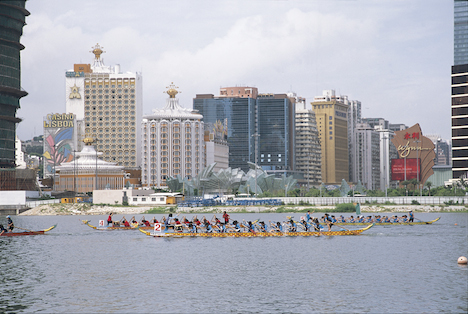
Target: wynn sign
[[415, 155]]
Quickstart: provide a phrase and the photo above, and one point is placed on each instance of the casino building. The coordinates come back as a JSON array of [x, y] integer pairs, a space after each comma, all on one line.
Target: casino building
[[108, 106], [172, 143]]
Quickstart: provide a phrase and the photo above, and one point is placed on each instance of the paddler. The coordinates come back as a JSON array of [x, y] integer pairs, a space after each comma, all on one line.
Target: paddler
[[2, 229], [411, 216], [305, 224], [292, 226], [10, 224], [263, 227], [250, 227], [328, 220], [145, 222], [236, 226], [125, 222]]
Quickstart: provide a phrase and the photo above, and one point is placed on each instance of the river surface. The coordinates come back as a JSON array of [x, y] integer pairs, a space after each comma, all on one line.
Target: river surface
[[387, 269]]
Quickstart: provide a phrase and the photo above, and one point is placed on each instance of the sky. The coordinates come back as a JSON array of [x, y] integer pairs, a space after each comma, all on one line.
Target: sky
[[394, 56]]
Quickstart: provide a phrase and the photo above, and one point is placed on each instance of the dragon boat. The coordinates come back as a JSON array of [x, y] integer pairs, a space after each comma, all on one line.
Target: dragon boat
[[26, 232], [387, 223], [132, 227], [254, 234]]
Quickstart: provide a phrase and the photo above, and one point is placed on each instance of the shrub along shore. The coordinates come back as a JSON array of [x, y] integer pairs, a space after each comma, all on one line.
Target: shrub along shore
[[89, 209]]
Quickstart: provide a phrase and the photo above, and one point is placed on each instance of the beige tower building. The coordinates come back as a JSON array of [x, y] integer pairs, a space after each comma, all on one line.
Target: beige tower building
[[332, 123], [108, 106]]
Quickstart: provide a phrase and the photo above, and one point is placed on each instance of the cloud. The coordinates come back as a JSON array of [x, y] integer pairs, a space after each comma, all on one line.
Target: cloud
[[381, 53]]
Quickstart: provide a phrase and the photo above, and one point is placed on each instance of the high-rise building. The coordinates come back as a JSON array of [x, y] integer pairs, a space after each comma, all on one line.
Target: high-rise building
[[460, 120], [460, 91], [332, 123], [367, 156], [172, 143], [237, 106], [276, 120], [261, 127], [460, 35], [387, 151], [308, 151], [108, 106], [11, 28]]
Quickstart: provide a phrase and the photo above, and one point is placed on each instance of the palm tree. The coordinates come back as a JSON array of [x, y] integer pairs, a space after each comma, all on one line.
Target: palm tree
[[429, 184]]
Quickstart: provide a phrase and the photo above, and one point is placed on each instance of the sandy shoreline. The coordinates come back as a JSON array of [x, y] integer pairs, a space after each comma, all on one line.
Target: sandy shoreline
[[89, 209]]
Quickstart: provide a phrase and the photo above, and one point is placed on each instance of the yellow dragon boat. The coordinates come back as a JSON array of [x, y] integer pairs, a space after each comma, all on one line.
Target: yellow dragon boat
[[386, 223], [254, 234]]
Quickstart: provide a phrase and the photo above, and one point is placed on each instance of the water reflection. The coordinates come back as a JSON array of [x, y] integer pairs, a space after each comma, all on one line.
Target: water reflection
[[387, 269]]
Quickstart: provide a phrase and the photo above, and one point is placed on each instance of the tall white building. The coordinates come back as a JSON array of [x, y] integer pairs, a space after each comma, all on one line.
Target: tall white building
[[308, 149], [172, 143], [367, 152], [20, 162], [108, 106]]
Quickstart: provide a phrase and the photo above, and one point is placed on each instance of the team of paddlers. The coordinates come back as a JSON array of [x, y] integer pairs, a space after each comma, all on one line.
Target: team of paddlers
[[226, 224]]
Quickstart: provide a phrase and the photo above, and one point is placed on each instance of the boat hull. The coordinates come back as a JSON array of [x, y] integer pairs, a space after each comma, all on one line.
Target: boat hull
[[25, 233], [115, 228], [253, 234]]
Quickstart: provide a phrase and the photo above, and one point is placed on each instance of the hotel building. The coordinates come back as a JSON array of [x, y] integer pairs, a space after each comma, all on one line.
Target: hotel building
[[332, 123], [172, 143], [108, 107]]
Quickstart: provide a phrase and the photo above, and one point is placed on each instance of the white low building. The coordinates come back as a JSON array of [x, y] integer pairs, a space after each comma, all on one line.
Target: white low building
[[140, 197]]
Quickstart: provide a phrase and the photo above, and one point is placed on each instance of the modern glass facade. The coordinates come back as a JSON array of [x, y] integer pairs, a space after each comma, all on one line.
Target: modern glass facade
[[270, 116], [276, 126], [460, 38], [11, 28], [240, 114]]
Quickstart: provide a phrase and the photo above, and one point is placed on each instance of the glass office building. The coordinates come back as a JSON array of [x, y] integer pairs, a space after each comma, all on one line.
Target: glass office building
[[12, 20], [276, 126], [240, 116], [460, 36], [265, 121]]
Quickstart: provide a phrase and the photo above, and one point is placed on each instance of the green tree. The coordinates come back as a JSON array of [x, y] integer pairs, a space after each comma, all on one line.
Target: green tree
[[428, 184]]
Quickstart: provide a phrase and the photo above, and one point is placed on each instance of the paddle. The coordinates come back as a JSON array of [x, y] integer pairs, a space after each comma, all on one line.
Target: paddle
[[27, 230]]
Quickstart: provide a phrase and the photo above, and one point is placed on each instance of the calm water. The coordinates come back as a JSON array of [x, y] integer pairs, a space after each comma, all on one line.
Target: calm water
[[76, 269]]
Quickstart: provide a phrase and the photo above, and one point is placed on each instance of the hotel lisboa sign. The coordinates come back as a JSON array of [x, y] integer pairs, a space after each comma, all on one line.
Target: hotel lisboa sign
[[57, 120], [415, 155]]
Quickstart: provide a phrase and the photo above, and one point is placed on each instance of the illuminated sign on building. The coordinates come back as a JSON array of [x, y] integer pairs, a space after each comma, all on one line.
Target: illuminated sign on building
[[417, 150], [64, 120], [406, 169]]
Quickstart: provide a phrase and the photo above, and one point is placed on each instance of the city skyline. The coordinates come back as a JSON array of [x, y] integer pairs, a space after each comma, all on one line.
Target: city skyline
[[394, 59]]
